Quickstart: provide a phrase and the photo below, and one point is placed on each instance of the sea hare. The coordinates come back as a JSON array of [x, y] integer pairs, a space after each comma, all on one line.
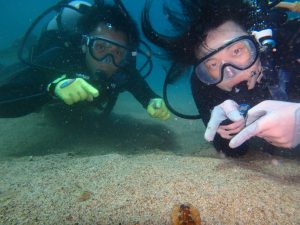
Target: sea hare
[[185, 214]]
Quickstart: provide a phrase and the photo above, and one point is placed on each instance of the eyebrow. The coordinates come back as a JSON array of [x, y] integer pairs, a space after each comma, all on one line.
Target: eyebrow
[[210, 59]]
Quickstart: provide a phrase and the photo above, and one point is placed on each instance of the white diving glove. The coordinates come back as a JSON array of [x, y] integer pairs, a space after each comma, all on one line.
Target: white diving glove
[[275, 121], [229, 109]]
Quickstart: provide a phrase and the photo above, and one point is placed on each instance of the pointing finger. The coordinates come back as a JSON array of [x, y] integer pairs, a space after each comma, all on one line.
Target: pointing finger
[[244, 135]]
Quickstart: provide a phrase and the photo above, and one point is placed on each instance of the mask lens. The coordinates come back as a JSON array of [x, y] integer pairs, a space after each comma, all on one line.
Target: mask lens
[[101, 49], [238, 55]]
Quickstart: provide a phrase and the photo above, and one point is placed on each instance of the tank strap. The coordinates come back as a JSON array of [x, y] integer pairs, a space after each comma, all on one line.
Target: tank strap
[[279, 91]]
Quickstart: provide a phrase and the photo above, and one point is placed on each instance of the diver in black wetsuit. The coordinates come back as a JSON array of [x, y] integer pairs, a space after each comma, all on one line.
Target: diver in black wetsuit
[[93, 65], [232, 62]]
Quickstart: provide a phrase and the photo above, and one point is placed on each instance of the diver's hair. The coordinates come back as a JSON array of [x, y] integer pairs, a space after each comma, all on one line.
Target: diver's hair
[[110, 14], [196, 19]]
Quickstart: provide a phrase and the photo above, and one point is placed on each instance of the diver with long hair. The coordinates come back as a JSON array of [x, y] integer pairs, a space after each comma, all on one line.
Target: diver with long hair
[[246, 71], [87, 61]]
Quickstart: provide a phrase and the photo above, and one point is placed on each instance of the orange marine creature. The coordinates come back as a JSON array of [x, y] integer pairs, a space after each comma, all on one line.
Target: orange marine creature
[[292, 6], [185, 214]]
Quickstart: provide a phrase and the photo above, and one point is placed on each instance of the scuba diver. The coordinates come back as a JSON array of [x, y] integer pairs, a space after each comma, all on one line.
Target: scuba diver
[[246, 70], [87, 61]]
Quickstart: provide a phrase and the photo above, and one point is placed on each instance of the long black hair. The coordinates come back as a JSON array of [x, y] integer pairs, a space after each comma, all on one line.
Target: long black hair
[[110, 14], [195, 20]]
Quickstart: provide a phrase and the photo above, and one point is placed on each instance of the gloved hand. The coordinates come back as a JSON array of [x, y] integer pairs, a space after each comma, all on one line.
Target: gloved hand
[[75, 90], [229, 109], [157, 109], [275, 121], [292, 6]]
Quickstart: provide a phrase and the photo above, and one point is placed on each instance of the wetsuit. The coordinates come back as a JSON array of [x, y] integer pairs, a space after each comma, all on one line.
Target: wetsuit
[[23, 89], [288, 51]]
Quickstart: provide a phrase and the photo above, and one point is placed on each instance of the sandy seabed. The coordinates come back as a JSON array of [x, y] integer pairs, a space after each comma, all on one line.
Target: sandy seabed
[[132, 169]]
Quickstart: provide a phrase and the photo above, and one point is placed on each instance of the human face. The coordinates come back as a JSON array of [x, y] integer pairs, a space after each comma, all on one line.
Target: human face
[[227, 57], [106, 49]]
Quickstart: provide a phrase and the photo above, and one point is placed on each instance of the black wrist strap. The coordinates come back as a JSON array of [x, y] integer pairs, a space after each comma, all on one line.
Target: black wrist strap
[[52, 85], [51, 89]]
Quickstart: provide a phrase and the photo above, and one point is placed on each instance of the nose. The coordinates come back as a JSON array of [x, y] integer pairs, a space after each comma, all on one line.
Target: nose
[[108, 59], [229, 72]]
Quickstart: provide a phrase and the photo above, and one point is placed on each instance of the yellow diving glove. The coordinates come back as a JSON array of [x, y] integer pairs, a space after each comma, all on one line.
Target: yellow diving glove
[[158, 109], [73, 90]]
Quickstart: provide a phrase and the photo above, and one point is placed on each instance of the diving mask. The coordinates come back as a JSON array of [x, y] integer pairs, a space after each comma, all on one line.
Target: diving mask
[[107, 51], [227, 61]]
